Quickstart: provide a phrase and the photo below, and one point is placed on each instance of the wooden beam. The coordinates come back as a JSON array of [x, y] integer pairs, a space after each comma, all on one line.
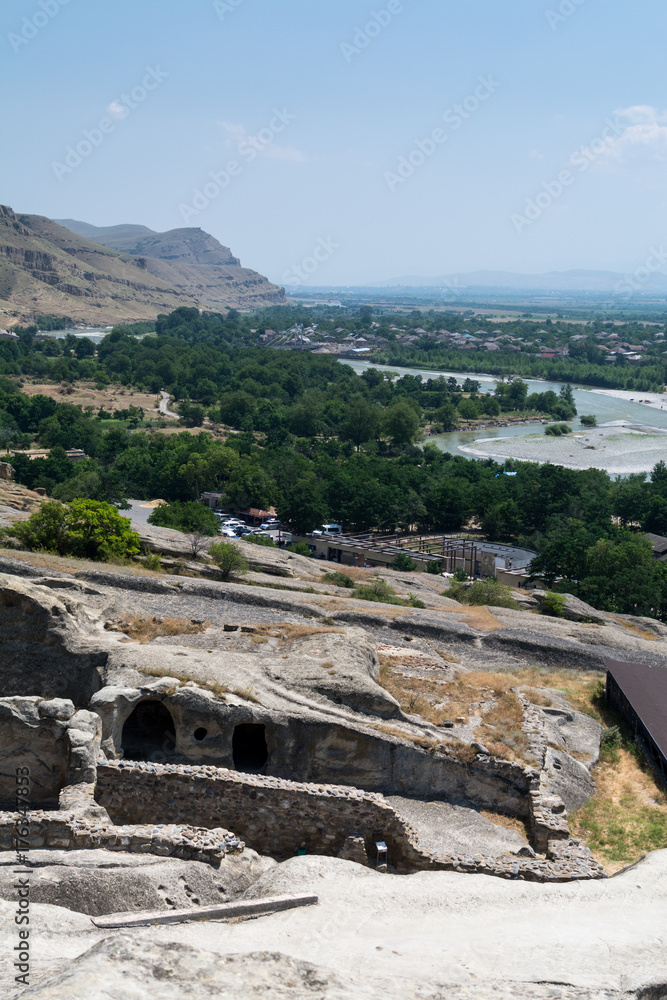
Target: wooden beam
[[243, 908]]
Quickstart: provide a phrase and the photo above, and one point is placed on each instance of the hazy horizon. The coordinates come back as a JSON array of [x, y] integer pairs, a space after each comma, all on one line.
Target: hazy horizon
[[407, 137]]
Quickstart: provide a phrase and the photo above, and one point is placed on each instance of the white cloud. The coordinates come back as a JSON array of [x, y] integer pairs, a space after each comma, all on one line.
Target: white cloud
[[535, 154], [646, 132], [116, 110]]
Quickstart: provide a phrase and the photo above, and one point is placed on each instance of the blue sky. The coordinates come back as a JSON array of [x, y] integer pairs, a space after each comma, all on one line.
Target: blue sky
[[317, 103]]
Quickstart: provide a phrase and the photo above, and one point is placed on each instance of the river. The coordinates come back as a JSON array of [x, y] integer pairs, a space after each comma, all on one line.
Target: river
[[611, 412]]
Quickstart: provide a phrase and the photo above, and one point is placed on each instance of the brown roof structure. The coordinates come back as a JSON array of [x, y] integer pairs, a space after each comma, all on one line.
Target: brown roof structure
[[645, 688]]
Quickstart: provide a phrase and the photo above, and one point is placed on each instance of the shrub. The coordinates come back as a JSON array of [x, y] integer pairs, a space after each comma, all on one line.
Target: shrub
[[378, 590], [404, 563], [188, 516], [610, 744], [261, 540], [415, 601], [553, 604], [228, 558], [88, 529], [339, 580], [484, 592], [556, 430], [300, 548], [460, 575], [153, 560], [434, 567], [589, 420]]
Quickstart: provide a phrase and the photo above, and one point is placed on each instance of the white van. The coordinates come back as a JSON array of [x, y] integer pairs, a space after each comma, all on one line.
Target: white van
[[329, 529]]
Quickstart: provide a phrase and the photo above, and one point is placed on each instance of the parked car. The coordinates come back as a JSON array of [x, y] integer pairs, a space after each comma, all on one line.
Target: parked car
[[227, 532], [233, 522], [270, 526], [329, 529]]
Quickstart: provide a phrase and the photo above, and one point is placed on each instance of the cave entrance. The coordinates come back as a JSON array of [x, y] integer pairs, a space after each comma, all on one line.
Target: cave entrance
[[149, 733], [249, 748]]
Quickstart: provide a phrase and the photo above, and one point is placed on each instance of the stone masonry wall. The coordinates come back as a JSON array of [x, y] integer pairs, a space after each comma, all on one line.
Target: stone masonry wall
[[69, 830], [278, 817]]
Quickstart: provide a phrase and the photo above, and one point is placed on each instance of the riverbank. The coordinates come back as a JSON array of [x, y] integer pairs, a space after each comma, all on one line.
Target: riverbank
[[617, 450], [657, 400]]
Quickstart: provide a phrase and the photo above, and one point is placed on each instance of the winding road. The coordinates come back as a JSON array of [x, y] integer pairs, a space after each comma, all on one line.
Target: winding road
[[163, 405]]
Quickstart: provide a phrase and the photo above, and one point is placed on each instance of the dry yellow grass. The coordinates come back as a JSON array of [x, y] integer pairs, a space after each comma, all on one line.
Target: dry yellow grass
[[146, 629], [478, 693], [477, 617], [508, 822], [635, 630], [112, 397], [290, 632]]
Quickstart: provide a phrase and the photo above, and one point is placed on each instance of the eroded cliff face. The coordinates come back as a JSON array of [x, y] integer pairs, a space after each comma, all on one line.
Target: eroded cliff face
[[48, 269], [49, 644], [190, 260]]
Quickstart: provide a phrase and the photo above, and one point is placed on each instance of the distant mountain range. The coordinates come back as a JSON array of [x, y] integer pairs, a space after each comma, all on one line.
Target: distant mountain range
[[551, 281], [99, 276]]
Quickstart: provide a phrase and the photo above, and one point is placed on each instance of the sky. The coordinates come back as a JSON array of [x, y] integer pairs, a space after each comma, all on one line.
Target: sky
[[340, 142]]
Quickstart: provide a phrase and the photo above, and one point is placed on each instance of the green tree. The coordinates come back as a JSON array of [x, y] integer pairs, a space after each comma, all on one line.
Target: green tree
[[362, 421], [88, 529], [228, 558], [446, 415], [303, 507], [191, 414], [467, 408], [404, 563], [624, 576], [401, 423], [489, 406], [189, 516]]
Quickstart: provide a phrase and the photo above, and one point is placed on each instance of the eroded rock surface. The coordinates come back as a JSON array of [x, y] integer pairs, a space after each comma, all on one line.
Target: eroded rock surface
[[98, 882]]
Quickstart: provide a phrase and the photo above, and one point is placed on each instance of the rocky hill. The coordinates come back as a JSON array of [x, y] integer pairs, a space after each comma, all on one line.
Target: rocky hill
[[190, 260], [47, 269], [193, 741]]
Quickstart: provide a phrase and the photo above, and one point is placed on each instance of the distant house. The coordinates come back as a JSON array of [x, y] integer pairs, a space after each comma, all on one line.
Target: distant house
[[659, 546], [8, 335], [639, 692]]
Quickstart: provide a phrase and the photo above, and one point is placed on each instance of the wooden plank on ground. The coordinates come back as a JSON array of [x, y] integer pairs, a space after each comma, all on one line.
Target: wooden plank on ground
[[243, 908]]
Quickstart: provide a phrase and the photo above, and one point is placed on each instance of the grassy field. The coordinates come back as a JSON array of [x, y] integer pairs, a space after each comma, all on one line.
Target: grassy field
[[626, 817]]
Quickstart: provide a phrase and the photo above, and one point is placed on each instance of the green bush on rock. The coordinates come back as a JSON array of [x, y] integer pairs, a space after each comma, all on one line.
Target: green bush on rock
[[88, 529]]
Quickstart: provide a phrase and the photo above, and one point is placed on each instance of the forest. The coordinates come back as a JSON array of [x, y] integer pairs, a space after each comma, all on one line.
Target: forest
[[521, 342], [321, 443]]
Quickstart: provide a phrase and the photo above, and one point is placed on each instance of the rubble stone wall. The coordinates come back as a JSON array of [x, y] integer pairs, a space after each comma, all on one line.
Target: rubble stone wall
[[279, 817]]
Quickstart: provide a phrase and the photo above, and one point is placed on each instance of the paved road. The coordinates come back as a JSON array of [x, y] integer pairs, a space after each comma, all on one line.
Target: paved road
[[163, 405]]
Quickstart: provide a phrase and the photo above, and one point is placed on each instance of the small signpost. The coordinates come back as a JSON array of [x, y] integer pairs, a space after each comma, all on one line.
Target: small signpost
[[382, 853]]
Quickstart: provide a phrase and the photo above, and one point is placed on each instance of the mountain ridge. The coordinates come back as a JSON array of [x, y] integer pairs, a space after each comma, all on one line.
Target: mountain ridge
[[49, 269]]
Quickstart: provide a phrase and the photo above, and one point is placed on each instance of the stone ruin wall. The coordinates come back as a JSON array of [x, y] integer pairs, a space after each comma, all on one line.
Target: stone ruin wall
[[305, 750], [279, 817]]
